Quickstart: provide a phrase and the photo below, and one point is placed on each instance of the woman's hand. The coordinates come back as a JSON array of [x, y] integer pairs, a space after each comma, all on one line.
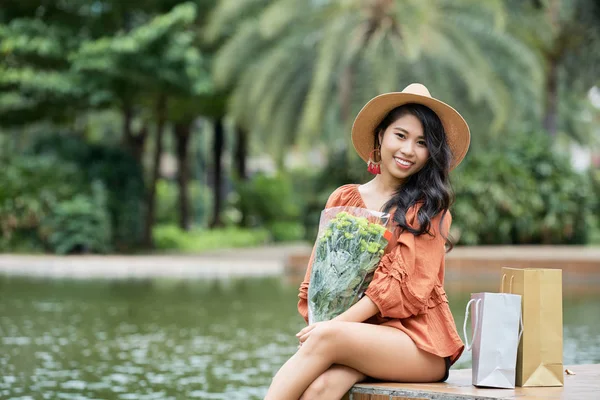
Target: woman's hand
[[306, 331]]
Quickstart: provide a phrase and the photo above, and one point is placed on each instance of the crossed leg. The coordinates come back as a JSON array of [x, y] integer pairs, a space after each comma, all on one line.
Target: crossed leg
[[378, 351], [333, 383]]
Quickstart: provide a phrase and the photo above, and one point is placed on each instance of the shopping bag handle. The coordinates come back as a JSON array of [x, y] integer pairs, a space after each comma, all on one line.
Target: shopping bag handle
[[510, 285], [475, 318], [521, 327]]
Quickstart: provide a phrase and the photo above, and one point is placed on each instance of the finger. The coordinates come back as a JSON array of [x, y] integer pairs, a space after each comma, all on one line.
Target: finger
[[305, 330], [304, 337]]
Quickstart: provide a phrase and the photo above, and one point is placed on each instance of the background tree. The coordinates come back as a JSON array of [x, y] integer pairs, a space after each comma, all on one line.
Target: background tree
[[572, 61], [296, 79], [154, 61], [564, 36], [111, 87], [35, 78]]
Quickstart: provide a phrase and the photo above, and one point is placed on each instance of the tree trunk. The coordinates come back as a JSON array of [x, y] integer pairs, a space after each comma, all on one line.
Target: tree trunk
[[345, 94], [241, 152], [218, 146], [133, 142], [127, 117], [182, 136], [240, 155], [161, 116], [553, 58], [551, 98]]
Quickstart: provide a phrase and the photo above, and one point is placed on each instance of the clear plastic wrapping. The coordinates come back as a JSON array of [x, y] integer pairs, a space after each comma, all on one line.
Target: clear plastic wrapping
[[349, 246]]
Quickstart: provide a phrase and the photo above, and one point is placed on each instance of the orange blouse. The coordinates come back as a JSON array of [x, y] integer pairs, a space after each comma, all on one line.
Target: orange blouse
[[408, 283]]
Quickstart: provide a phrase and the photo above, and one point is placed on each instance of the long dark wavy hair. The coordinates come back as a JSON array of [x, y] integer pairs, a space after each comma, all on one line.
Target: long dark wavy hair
[[431, 185]]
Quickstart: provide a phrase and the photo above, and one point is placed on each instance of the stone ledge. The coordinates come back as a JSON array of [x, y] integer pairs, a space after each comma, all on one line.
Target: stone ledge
[[138, 267], [580, 265], [584, 385]]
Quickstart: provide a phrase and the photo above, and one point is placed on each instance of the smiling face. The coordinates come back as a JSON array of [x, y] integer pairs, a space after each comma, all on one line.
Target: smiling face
[[403, 148]]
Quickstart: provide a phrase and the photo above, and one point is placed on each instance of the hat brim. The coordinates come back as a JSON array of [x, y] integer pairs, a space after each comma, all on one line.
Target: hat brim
[[458, 135]]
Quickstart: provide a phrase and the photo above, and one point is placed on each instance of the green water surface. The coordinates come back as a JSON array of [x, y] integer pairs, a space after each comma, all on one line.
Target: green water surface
[[166, 339]]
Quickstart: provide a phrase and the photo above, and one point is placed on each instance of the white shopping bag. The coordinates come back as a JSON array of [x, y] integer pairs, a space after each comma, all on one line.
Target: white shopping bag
[[496, 336]]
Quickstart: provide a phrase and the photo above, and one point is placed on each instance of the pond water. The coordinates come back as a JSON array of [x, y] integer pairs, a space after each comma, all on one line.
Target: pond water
[[165, 339]]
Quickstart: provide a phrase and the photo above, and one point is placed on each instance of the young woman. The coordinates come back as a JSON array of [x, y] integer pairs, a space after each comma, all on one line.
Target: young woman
[[402, 329]]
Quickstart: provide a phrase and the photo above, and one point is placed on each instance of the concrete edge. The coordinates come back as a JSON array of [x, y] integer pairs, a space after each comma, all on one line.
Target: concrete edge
[[418, 394]]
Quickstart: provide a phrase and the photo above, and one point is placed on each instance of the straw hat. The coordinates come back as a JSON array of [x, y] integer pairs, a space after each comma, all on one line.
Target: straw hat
[[371, 115]]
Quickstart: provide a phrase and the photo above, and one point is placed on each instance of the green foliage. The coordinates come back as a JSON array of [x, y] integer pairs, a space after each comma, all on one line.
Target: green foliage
[[59, 63], [29, 187], [45, 204], [35, 80], [172, 238], [314, 187], [166, 60], [117, 170], [271, 202], [268, 198], [80, 224], [294, 78], [312, 200], [521, 192], [287, 231], [301, 81], [167, 202]]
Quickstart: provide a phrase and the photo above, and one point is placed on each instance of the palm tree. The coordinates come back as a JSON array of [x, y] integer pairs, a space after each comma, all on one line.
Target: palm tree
[[564, 35], [572, 57], [300, 66]]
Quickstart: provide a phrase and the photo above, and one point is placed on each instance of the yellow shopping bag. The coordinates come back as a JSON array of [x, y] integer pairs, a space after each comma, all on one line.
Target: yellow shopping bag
[[540, 354]]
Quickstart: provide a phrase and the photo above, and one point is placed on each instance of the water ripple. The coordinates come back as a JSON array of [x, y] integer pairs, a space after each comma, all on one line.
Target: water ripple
[[197, 340]]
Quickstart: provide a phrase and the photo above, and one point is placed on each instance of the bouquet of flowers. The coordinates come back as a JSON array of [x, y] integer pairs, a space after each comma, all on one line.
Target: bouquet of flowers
[[350, 244]]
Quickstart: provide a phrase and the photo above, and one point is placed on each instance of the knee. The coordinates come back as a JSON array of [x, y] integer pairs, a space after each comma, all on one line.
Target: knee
[[322, 339], [317, 389]]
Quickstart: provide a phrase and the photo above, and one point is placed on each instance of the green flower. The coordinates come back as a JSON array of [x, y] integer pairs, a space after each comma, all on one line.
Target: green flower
[[362, 222], [373, 247], [337, 280]]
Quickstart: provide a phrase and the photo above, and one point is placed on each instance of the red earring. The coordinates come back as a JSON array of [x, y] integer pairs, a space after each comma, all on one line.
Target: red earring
[[373, 165]]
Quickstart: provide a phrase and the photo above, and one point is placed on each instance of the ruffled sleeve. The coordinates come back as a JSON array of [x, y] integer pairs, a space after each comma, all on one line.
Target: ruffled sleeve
[[346, 195], [406, 279]]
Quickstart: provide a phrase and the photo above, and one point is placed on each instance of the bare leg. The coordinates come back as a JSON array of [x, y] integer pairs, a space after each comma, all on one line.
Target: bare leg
[[333, 383], [379, 351]]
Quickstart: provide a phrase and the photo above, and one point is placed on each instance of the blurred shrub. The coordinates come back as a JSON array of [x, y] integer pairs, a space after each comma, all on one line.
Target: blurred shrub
[[171, 237], [117, 170], [36, 194], [287, 231], [313, 188], [29, 187], [270, 201], [521, 192], [80, 224], [167, 194]]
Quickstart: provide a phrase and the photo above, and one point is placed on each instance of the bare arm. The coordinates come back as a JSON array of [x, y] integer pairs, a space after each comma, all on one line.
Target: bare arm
[[359, 312]]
